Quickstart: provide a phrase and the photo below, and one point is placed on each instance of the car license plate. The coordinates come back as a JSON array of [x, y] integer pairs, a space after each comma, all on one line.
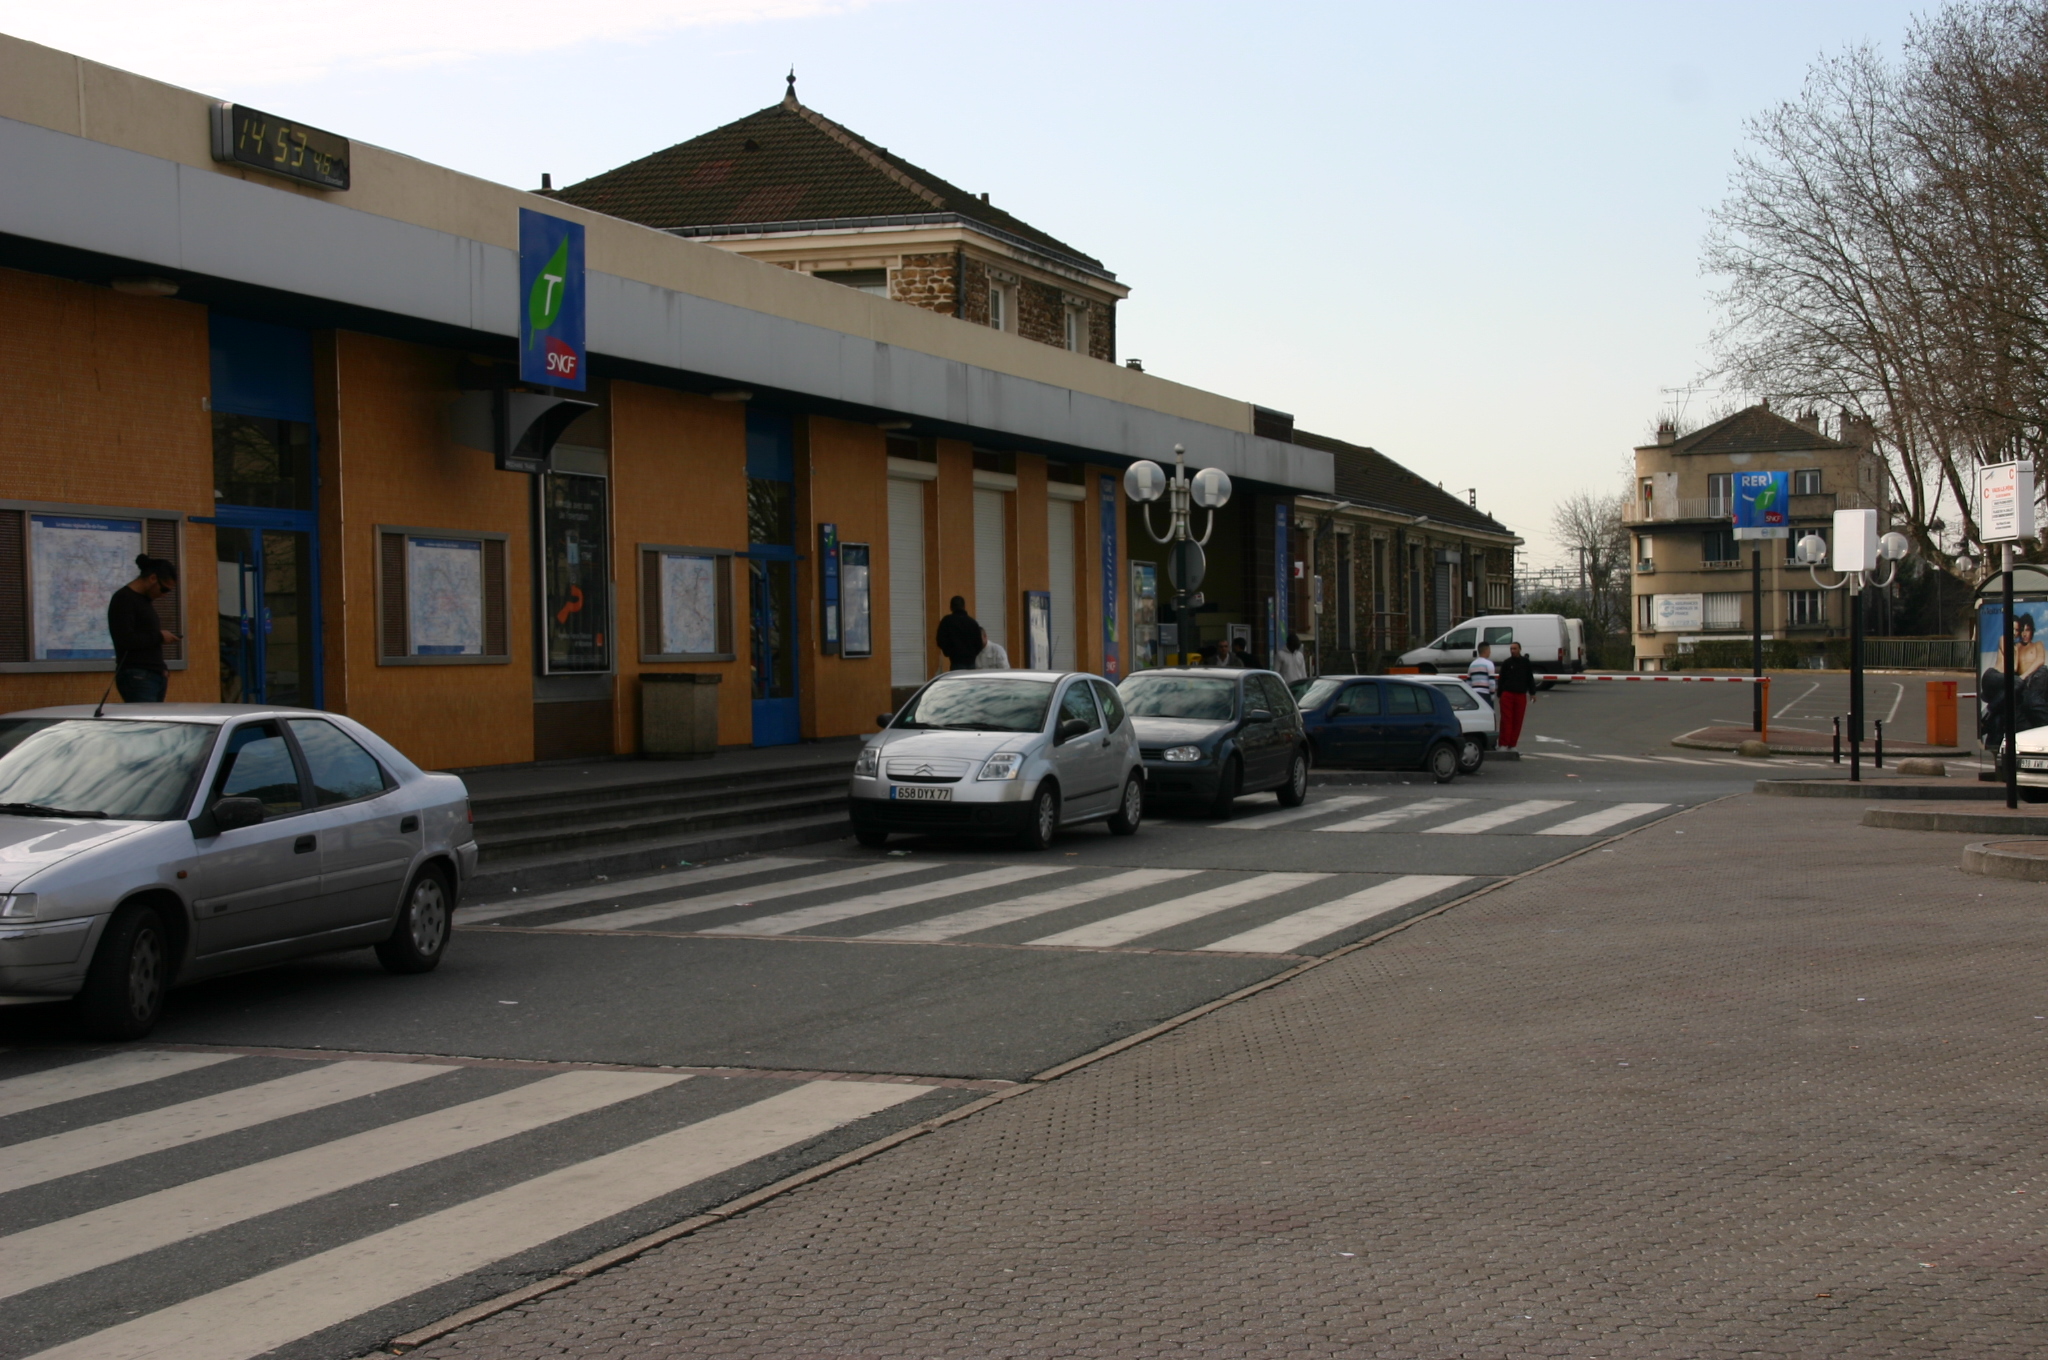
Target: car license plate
[[909, 793]]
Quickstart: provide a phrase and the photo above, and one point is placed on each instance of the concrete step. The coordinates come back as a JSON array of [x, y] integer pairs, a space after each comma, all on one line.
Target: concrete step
[[1984, 823], [500, 819], [629, 823], [564, 869], [2021, 859], [713, 778], [1921, 789]]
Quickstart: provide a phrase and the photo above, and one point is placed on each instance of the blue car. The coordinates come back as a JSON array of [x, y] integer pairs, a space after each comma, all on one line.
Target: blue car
[[1382, 722]]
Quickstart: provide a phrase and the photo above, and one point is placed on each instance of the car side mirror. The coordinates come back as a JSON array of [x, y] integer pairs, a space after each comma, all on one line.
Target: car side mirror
[[1259, 715], [1070, 728], [1339, 710], [884, 719], [232, 814]]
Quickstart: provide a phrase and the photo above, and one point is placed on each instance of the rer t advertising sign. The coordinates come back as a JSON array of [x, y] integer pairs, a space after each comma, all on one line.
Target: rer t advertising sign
[[1762, 504], [551, 350], [2005, 497]]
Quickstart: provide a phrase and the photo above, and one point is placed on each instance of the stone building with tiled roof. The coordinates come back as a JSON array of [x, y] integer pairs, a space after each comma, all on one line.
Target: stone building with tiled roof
[[789, 186], [1692, 578]]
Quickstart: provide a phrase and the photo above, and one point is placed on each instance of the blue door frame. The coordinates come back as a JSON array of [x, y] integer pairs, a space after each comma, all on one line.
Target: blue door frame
[[772, 584]]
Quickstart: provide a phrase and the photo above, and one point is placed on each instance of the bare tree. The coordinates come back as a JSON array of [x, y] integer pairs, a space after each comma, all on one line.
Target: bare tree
[[1590, 526]]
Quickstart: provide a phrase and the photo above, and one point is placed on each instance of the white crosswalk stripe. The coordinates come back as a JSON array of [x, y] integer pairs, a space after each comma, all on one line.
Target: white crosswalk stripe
[[1036, 904], [1305, 927], [577, 897], [830, 913], [1133, 925], [326, 1287], [68, 1153], [71, 1246], [767, 892], [97, 1076], [1612, 815], [1374, 821], [1320, 807], [1500, 816]]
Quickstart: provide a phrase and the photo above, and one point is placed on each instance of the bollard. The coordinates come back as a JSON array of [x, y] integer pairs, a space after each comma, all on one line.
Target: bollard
[[1765, 685], [1941, 713], [1838, 739], [1880, 743]]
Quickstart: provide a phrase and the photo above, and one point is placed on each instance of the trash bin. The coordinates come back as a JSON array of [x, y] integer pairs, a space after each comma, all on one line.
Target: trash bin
[[679, 715]]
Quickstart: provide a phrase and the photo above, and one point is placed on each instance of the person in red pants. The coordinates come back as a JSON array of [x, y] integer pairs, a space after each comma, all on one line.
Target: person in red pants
[[1517, 685]]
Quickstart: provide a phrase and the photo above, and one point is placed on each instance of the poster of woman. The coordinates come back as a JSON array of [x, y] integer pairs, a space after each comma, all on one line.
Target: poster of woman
[[2029, 675]]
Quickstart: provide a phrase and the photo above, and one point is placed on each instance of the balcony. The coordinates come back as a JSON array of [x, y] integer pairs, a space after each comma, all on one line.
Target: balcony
[[1682, 510]]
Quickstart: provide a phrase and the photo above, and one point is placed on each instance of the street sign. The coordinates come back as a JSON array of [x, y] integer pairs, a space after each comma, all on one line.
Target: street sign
[[1198, 566], [1763, 505], [2005, 500], [1679, 613]]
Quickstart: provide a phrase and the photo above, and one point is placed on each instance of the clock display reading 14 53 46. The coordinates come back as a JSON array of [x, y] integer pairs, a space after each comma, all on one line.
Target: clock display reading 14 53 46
[[263, 141]]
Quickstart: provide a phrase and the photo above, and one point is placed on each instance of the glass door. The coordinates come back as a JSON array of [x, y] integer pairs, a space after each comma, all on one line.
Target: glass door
[[771, 579], [264, 586]]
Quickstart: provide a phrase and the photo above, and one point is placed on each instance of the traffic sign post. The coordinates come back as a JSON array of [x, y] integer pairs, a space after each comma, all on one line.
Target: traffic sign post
[[2005, 515]]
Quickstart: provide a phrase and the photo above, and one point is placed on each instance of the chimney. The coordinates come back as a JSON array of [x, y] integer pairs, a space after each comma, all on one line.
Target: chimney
[[1809, 420], [1138, 364], [547, 181], [1667, 433]]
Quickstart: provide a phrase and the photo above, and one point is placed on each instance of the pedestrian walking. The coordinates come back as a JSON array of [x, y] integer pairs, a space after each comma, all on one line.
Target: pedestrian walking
[[1517, 692], [960, 638], [1288, 663], [139, 635], [1480, 673]]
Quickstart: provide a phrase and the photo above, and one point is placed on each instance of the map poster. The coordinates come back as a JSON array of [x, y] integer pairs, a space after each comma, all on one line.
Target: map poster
[[689, 605], [78, 564], [444, 587], [856, 610]]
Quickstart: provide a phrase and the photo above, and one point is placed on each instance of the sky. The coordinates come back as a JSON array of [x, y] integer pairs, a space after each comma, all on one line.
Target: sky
[[1466, 234]]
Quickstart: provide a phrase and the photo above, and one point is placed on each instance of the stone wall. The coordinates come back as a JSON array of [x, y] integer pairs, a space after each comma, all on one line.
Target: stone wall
[[927, 281]]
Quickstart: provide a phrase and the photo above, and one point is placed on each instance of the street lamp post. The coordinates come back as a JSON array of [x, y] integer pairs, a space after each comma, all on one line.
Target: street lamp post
[[1857, 550], [1145, 482]]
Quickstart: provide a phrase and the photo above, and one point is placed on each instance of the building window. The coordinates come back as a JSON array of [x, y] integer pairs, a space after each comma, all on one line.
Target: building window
[[1806, 608], [1077, 330], [1799, 531], [874, 281], [1646, 613], [1806, 482], [1649, 499], [1720, 494], [1646, 554], [1717, 546], [1723, 611], [441, 597], [998, 307]]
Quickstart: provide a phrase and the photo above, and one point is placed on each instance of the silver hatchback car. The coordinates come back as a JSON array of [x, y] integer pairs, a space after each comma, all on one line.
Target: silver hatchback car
[[166, 843], [1019, 753]]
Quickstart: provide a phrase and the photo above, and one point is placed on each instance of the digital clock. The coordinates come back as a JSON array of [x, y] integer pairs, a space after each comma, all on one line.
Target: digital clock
[[263, 141]]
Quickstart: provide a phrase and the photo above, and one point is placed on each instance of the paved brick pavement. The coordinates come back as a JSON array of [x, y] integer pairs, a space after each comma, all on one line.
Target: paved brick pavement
[[1630, 1107]]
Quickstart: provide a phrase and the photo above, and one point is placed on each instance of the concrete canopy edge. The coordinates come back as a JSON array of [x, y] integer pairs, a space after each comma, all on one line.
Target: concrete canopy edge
[[82, 193]]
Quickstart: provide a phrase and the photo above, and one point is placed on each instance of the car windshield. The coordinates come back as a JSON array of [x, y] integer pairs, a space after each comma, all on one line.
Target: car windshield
[[139, 771], [1180, 696], [979, 706], [1319, 691]]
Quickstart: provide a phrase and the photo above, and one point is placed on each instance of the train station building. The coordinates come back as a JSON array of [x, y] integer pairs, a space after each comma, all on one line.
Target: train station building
[[291, 366]]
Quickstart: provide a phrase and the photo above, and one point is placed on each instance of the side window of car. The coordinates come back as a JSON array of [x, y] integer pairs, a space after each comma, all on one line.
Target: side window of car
[[1408, 699], [342, 771], [1359, 701], [1460, 698], [1112, 703], [259, 765], [1459, 641], [1080, 703], [1282, 699], [1499, 637]]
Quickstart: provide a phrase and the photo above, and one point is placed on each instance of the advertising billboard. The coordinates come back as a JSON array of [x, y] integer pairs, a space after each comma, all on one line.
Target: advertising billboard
[[1763, 504], [551, 349]]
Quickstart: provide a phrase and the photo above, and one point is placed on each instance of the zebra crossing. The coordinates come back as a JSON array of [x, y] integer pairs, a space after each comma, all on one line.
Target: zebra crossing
[[258, 1237], [1043, 904]]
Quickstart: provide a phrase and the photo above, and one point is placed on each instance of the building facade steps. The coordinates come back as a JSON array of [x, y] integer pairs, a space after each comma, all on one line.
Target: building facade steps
[[628, 823], [542, 871]]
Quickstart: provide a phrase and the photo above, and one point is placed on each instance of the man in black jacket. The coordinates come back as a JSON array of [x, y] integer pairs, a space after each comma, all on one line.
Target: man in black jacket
[[1517, 682], [139, 636], [959, 637]]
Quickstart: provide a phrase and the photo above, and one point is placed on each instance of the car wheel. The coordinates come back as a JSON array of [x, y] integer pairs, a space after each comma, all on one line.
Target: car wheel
[[1045, 820], [131, 970], [1443, 762], [1295, 791], [1227, 786], [1130, 811], [873, 840], [417, 941], [1471, 756]]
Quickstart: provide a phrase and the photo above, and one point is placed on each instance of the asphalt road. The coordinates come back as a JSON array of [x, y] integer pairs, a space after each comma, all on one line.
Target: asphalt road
[[317, 1158]]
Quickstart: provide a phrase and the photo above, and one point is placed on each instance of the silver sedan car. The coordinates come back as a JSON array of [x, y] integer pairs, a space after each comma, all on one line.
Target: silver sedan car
[[1020, 753], [166, 843]]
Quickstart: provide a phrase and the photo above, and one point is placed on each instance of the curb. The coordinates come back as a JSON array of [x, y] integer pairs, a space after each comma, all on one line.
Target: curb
[[2022, 859], [434, 1331], [1848, 788], [1981, 823], [494, 880]]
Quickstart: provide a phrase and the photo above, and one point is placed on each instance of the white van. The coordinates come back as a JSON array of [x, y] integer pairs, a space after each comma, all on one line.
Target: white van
[[1554, 644]]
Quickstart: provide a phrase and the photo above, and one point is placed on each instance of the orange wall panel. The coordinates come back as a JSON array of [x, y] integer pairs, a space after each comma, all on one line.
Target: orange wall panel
[[679, 476], [105, 401], [847, 485]]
